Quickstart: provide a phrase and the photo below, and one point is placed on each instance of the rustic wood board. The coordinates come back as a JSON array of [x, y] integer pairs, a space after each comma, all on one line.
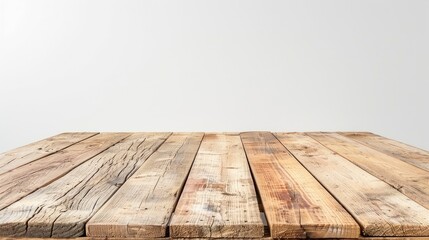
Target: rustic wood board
[[219, 199], [406, 178], [31, 152], [168, 238], [62, 208], [380, 209], [144, 204], [15, 183], [241, 185], [295, 204], [407, 153]]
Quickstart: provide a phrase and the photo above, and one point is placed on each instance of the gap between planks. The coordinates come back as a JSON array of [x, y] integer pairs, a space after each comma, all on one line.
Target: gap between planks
[[219, 198], [50, 168], [63, 207], [37, 150], [295, 204], [328, 188], [408, 179], [143, 205], [380, 209]]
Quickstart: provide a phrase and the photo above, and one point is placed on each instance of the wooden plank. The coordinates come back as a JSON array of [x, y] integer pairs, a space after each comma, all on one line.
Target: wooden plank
[[406, 178], [167, 238], [295, 203], [402, 151], [143, 205], [394, 238], [380, 209], [24, 180], [31, 152], [84, 238], [62, 208], [219, 199]]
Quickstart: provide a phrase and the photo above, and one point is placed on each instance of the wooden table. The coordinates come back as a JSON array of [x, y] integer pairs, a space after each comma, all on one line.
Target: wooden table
[[215, 185]]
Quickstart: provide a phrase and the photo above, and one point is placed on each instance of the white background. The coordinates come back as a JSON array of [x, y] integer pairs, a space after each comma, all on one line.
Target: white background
[[223, 65]]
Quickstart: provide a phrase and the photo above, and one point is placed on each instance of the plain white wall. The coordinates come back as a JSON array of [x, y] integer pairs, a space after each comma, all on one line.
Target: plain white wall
[[223, 65]]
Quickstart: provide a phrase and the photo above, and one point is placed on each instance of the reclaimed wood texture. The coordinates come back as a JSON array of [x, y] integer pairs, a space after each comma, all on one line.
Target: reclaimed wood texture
[[16, 182], [407, 153], [295, 203], [31, 152], [253, 185], [380, 209], [144, 204], [168, 238], [406, 178], [219, 199], [62, 208]]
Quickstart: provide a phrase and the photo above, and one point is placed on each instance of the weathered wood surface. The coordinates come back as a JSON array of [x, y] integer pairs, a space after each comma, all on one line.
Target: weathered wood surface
[[143, 205], [62, 208], [169, 238], [21, 181], [380, 209], [31, 152], [295, 204], [219, 199], [406, 178], [241, 185], [407, 153]]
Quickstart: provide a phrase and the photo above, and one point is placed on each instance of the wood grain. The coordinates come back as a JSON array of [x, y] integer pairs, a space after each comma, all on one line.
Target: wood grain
[[143, 205], [402, 151], [406, 178], [31, 152], [295, 203], [21, 181], [219, 199], [126, 185], [168, 238], [380, 209], [62, 208]]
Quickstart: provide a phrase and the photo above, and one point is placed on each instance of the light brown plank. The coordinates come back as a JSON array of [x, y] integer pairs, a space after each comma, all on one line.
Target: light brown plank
[[167, 238], [406, 178], [402, 151], [380, 209], [83, 238], [295, 203], [143, 205], [219, 199], [31, 152], [26, 179], [62, 208]]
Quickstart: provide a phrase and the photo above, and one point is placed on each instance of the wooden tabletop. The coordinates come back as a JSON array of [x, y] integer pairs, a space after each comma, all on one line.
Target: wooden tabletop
[[215, 185]]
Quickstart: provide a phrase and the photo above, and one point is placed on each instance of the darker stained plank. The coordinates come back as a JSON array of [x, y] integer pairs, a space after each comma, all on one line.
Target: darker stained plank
[[296, 205]]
